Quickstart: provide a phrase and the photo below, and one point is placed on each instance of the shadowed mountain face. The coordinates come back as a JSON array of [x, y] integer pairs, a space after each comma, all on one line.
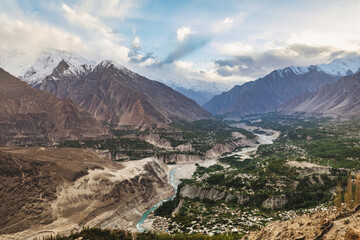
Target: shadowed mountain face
[[341, 98], [267, 94], [116, 95], [29, 115]]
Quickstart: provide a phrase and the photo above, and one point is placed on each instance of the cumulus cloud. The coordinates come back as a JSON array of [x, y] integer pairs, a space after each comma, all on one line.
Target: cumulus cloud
[[234, 48], [27, 35], [136, 42], [183, 33]]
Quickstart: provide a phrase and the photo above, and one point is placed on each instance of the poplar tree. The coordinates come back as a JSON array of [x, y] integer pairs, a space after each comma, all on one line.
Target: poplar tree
[[348, 194], [337, 200], [357, 190]]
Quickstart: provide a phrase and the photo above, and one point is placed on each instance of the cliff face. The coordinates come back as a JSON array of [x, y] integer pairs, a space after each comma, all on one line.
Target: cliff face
[[52, 190], [28, 115], [114, 94]]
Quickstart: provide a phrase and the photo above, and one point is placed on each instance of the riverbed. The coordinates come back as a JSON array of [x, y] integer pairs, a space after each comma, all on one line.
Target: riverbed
[[181, 171]]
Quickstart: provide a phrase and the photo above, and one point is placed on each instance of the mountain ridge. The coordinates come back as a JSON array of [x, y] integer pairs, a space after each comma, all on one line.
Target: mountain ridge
[[267, 94], [339, 99], [116, 95]]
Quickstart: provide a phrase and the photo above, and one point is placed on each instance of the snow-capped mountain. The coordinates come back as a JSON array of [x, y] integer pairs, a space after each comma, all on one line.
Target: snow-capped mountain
[[267, 94], [342, 66], [338, 67], [117, 95], [197, 90], [47, 61]]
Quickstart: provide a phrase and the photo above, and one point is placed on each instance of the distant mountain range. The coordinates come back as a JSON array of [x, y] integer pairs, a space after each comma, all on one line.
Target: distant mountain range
[[115, 95], [29, 115], [339, 99], [267, 94], [111, 92], [200, 91]]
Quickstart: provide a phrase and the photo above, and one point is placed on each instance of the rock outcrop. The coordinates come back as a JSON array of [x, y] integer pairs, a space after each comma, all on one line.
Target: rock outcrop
[[275, 202]]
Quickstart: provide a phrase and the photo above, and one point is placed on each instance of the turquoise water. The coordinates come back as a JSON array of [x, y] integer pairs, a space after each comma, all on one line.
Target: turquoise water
[[146, 214]]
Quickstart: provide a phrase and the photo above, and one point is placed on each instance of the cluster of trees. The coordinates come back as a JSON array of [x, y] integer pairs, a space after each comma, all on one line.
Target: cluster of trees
[[351, 197]]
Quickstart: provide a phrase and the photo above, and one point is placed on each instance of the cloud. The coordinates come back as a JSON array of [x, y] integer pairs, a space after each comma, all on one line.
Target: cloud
[[110, 8], [87, 21], [228, 20], [307, 51], [258, 64], [33, 35], [184, 48], [183, 33], [239, 65], [101, 41], [136, 42], [234, 48], [147, 59], [228, 23]]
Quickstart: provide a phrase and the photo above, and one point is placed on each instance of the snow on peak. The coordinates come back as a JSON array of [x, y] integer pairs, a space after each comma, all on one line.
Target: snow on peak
[[108, 63], [298, 70], [48, 60], [341, 66]]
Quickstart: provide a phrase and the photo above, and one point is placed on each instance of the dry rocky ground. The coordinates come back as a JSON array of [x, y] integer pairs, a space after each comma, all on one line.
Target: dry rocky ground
[[49, 191], [326, 224]]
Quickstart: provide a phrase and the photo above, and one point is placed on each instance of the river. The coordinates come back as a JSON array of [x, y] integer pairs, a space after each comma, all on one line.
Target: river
[[173, 183], [243, 153]]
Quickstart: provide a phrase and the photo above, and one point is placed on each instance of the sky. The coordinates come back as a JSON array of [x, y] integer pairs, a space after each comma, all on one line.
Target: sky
[[230, 41]]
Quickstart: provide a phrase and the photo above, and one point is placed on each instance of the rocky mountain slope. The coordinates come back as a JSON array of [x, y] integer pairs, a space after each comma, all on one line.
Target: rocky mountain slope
[[341, 98], [82, 189], [29, 115], [267, 94], [118, 96]]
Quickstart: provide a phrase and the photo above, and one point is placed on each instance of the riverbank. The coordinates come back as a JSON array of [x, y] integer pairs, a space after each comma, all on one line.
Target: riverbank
[[185, 171]]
